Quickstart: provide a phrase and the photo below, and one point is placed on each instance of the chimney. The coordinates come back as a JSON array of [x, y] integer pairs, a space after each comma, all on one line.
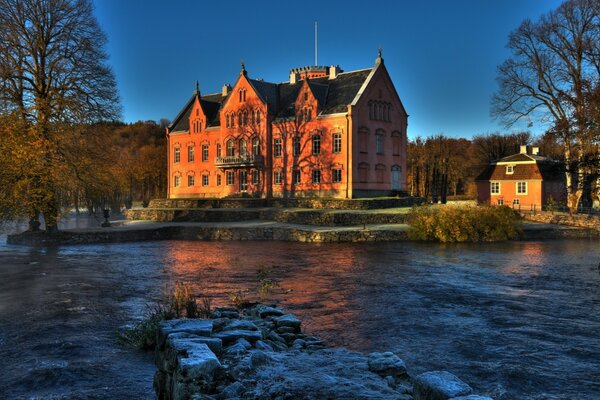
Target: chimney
[[226, 89], [535, 150], [293, 76], [523, 149], [334, 70]]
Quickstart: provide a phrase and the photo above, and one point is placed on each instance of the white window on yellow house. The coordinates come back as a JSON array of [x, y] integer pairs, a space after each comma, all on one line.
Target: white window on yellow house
[[495, 187], [521, 187], [500, 202], [510, 169]]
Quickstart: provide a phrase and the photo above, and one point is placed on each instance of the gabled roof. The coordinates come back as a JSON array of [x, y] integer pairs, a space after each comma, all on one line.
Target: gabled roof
[[545, 169], [333, 95], [211, 104]]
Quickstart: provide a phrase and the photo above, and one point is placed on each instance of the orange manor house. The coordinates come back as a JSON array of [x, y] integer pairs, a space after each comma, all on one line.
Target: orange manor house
[[325, 133]]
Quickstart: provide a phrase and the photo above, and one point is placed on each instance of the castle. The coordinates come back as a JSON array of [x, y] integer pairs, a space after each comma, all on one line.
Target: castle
[[323, 133]]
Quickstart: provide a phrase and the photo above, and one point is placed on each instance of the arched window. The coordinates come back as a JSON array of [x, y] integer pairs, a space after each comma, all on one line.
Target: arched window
[[380, 173], [218, 149], [316, 144], [257, 117], [240, 119], [296, 146], [255, 146], [363, 172], [243, 148], [252, 118], [245, 118], [240, 93], [232, 122], [230, 148], [396, 177]]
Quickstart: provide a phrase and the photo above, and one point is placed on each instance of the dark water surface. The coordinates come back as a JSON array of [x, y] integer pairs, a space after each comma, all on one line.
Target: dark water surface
[[519, 319]]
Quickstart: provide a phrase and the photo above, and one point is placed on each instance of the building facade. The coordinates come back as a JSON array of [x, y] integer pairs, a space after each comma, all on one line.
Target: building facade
[[522, 180], [323, 133]]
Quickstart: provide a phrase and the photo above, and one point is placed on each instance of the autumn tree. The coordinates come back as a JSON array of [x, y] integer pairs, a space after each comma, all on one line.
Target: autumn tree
[[54, 78], [552, 75]]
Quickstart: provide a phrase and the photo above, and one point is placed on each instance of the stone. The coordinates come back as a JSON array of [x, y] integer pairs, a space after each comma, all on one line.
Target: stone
[[439, 385], [472, 397], [200, 327], [261, 345], [196, 361], [288, 320], [258, 358], [299, 344], [286, 329], [275, 337], [220, 323], [239, 347], [386, 364], [240, 324], [225, 312], [235, 390], [263, 311], [215, 344], [232, 336]]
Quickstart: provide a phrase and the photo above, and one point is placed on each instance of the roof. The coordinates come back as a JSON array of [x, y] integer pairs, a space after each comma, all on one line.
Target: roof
[[545, 169], [522, 157], [334, 96]]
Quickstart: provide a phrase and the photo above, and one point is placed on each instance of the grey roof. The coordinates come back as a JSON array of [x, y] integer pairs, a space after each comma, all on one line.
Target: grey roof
[[523, 157], [333, 95]]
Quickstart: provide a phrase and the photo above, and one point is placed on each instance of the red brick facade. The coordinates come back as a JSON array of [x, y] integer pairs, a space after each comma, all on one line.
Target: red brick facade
[[324, 133], [522, 180]]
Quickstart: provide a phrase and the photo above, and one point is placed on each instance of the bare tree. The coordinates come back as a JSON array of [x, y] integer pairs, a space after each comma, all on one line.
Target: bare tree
[[53, 75], [553, 70]]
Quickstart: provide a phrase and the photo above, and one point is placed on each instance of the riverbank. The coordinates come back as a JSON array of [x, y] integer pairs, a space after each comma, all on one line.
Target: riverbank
[[259, 230], [260, 352]]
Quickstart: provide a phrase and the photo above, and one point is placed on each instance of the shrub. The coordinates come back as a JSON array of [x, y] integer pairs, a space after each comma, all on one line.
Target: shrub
[[177, 302], [464, 223]]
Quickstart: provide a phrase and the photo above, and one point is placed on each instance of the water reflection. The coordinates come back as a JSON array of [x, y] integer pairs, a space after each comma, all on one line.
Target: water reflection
[[505, 317]]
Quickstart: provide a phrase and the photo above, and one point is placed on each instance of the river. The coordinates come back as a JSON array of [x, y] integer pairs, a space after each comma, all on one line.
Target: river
[[516, 320]]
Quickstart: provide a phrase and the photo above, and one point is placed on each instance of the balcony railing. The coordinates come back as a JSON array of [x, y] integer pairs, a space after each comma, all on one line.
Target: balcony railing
[[238, 161]]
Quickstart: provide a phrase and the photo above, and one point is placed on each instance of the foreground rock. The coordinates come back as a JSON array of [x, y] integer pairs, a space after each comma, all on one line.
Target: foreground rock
[[261, 353]]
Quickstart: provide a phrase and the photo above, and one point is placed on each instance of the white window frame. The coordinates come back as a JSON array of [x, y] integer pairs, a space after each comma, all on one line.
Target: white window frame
[[492, 187], [176, 181], [191, 180], [510, 169], [277, 178], [517, 188], [204, 179], [500, 202]]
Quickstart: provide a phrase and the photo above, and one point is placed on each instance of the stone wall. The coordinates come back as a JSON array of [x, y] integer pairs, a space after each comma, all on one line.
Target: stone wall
[[588, 221], [261, 353], [336, 204]]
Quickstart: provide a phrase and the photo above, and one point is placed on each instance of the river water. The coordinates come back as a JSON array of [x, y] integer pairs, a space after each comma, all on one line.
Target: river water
[[518, 320]]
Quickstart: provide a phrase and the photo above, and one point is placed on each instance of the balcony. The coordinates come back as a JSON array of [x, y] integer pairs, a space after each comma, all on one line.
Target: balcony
[[238, 161]]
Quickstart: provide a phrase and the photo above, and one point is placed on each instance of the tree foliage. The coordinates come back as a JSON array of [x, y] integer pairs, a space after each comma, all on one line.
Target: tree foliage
[[54, 77]]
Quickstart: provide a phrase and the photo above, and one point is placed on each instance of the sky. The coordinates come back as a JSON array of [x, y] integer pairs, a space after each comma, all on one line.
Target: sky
[[441, 54]]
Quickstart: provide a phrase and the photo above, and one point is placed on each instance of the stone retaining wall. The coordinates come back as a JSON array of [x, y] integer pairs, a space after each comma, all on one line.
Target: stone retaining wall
[[336, 204], [261, 353], [300, 217], [278, 233], [579, 220]]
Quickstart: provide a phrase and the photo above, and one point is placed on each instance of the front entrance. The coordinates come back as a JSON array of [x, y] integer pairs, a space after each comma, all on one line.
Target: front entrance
[[243, 181], [396, 177]]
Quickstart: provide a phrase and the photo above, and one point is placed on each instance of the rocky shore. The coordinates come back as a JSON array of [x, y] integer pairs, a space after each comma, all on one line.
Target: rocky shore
[[261, 353]]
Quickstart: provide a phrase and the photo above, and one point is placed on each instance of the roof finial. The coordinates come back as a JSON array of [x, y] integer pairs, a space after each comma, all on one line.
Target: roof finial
[[379, 58], [197, 89], [243, 70]]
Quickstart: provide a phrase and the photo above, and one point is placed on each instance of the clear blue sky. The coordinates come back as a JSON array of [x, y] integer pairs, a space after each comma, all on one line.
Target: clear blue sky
[[442, 55]]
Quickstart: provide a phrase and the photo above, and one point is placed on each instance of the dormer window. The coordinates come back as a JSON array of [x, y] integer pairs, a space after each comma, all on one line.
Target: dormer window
[[305, 96], [510, 169]]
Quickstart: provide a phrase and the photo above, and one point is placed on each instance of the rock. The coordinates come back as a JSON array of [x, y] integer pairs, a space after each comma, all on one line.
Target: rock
[[299, 344], [287, 329], [240, 324], [439, 385], [235, 390], [289, 337], [472, 397], [200, 327], [225, 312], [288, 320], [258, 358], [275, 337], [239, 347], [220, 323], [263, 311], [261, 345], [214, 344], [386, 364], [195, 360], [232, 336]]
